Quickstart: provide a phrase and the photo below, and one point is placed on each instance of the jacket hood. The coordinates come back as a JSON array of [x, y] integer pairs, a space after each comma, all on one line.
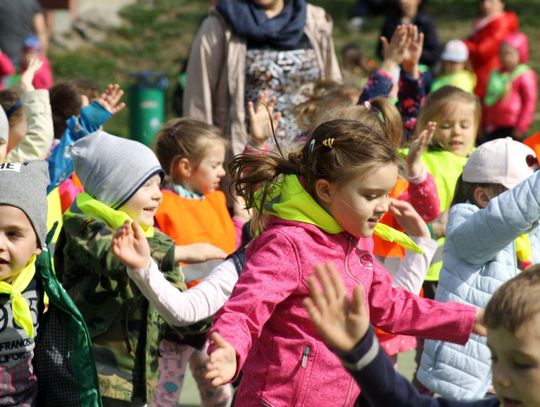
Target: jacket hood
[[519, 41], [288, 200]]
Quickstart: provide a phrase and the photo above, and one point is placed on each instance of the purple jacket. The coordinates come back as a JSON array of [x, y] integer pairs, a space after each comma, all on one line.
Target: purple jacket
[[283, 360]]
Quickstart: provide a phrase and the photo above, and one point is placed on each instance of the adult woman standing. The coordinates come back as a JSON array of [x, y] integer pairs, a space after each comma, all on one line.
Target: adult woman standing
[[245, 47]]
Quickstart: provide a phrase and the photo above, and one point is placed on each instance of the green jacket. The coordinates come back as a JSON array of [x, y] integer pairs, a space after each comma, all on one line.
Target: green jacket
[[124, 327], [63, 358]]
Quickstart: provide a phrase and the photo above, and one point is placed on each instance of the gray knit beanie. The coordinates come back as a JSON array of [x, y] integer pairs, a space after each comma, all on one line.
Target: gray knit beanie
[[24, 186], [4, 126], [112, 168]]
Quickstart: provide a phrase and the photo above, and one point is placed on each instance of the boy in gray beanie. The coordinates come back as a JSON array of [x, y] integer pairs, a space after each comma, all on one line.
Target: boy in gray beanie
[[122, 181], [25, 276]]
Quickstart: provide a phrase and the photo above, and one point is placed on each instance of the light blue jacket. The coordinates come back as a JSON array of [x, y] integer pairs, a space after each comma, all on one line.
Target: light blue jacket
[[479, 257]]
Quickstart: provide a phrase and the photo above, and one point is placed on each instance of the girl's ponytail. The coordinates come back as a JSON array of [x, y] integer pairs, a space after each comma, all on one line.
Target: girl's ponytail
[[392, 125]]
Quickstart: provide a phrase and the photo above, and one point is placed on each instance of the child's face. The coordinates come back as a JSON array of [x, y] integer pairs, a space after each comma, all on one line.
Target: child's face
[[490, 8], [143, 205], [516, 364], [509, 57], [206, 176], [3, 150], [360, 203], [456, 129], [452, 67], [18, 241]]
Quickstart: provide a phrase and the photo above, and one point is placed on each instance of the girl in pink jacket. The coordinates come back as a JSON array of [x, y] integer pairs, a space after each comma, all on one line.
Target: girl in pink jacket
[[319, 205], [512, 92]]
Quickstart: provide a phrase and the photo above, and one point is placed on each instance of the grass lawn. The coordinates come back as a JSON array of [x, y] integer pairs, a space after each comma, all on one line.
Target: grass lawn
[[157, 37]]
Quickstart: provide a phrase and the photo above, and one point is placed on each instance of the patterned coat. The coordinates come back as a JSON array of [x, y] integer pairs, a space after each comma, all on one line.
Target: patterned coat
[[125, 328]]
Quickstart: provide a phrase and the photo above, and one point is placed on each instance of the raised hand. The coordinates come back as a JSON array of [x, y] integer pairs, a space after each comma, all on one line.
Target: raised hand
[[261, 118], [409, 219], [130, 246], [417, 147], [198, 252], [413, 50], [222, 365], [341, 321], [28, 76], [394, 51], [110, 98]]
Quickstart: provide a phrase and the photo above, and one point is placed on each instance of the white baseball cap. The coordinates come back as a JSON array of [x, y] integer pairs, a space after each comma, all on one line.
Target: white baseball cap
[[502, 161], [455, 51]]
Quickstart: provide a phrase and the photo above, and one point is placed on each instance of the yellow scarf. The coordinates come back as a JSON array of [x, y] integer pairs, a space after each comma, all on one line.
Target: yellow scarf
[[97, 209], [19, 304], [289, 200]]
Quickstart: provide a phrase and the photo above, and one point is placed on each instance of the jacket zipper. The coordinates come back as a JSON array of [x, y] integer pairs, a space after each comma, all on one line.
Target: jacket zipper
[[349, 251], [305, 355]]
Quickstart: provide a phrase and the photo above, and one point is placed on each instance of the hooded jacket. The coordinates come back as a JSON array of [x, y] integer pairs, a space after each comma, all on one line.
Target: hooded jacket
[[479, 257], [283, 360]]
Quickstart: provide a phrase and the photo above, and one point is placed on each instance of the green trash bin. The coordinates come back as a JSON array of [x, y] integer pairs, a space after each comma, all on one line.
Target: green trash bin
[[146, 105]]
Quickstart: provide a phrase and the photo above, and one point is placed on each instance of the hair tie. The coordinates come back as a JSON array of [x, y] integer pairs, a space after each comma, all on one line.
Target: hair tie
[[14, 107], [311, 146], [374, 109], [328, 142]]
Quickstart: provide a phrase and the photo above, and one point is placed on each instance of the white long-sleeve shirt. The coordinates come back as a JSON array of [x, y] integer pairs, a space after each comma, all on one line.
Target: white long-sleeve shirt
[[205, 299], [184, 308]]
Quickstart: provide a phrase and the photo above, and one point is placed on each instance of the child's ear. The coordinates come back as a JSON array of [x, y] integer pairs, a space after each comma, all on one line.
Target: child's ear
[[184, 168], [324, 190], [37, 252], [481, 196]]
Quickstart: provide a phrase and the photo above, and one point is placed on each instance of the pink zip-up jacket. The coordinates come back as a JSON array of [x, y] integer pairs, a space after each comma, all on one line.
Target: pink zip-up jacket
[[283, 360], [515, 109]]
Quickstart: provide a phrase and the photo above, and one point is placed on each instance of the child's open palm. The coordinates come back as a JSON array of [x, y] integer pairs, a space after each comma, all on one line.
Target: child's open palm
[[413, 51], [261, 119], [131, 247], [341, 321], [418, 147], [28, 75], [394, 50], [222, 365], [110, 98], [409, 219]]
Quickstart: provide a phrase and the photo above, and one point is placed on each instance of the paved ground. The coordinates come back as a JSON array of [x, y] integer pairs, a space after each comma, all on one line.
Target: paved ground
[[190, 396]]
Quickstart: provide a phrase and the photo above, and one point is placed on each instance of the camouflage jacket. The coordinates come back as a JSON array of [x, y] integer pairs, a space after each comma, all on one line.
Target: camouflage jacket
[[124, 327]]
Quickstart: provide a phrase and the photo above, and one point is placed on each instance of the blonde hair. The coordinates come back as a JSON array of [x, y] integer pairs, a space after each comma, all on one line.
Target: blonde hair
[[442, 101], [185, 138], [326, 96], [515, 302]]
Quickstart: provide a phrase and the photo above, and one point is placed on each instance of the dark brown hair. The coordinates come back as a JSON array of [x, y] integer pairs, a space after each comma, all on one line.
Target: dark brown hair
[[8, 98], [184, 138], [337, 150], [515, 302], [66, 101], [464, 191]]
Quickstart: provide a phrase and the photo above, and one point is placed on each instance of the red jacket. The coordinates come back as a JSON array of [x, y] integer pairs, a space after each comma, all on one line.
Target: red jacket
[[515, 109], [6, 68], [484, 46], [283, 360]]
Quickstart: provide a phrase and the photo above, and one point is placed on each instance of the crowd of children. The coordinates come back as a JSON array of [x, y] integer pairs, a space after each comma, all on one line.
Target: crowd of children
[[394, 211]]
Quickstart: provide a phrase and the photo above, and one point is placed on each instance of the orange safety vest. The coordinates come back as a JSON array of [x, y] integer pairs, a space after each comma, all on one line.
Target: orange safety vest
[[188, 221], [383, 249]]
